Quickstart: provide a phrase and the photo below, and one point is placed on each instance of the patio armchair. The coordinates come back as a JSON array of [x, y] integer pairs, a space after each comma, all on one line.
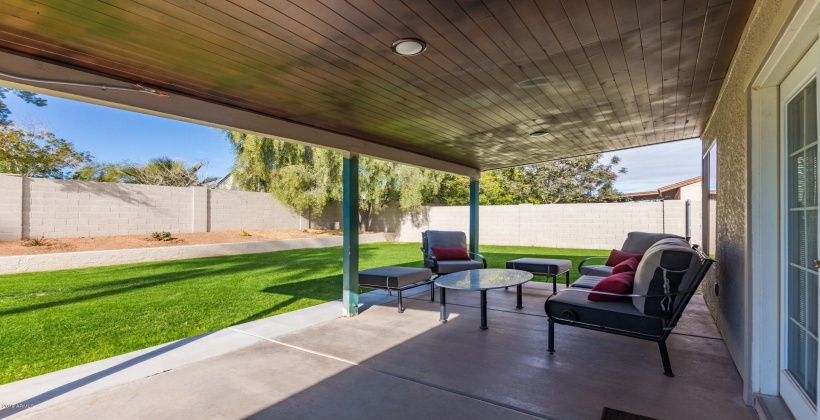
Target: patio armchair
[[636, 243], [448, 239], [665, 280]]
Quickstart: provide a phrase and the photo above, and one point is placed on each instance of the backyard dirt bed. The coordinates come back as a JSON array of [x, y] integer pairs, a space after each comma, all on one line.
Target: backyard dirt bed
[[51, 246]]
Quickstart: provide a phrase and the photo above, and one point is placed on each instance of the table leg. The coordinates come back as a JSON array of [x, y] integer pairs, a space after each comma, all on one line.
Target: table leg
[[554, 287], [483, 309], [442, 306], [519, 297], [567, 278], [401, 304]]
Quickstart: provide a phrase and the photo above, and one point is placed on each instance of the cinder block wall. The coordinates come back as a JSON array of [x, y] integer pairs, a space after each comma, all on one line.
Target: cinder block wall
[[35, 207], [594, 226], [235, 210], [66, 209], [11, 207]]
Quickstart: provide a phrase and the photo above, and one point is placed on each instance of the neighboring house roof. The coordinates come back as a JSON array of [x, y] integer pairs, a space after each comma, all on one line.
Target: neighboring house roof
[[227, 183], [690, 181], [670, 191]]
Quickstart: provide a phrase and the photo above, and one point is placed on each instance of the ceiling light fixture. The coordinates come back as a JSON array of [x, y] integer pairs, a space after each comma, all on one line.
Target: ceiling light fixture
[[538, 134], [409, 46]]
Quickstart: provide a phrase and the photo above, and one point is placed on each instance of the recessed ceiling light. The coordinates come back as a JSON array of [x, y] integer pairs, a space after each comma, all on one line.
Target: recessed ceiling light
[[409, 46], [538, 134]]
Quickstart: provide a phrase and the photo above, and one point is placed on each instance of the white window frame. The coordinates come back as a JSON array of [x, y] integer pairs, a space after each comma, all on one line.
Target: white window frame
[[763, 256]]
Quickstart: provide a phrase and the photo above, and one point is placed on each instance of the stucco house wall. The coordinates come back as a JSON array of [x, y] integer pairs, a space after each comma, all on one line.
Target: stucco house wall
[[729, 128], [692, 192]]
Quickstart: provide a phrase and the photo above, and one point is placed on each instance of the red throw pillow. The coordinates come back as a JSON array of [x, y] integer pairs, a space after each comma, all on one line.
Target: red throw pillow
[[616, 257], [620, 283], [450, 254], [630, 264]]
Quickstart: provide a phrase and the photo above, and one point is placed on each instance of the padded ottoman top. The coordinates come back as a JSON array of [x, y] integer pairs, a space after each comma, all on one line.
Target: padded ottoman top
[[540, 265], [393, 277]]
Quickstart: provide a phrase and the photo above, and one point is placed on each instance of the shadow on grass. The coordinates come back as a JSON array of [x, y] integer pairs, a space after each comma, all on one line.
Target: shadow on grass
[[322, 288], [288, 268]]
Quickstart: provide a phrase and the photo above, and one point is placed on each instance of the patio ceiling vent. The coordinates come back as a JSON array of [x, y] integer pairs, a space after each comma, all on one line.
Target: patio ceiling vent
[[409, 46]]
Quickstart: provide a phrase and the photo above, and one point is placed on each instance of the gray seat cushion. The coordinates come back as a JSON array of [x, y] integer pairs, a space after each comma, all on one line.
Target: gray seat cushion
[[393, 277], [447, 267], [541, 265], [619, 314], [587, 282], [639, 242], [596, 270]]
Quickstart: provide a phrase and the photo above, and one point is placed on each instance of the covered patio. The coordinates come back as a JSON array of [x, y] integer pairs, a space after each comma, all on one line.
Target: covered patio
[[389, 365], [500, 84]]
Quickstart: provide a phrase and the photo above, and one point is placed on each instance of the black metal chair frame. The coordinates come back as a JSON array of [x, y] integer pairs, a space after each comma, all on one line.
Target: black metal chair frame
[[584, 261], [668, 325], [398, 290]]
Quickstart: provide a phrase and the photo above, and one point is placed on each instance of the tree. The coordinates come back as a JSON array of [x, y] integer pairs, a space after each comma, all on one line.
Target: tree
[[165, 171], [37, 153], [382, 183], [28, 97], [304, 178], [577, 180], [99, 172], [307, 178]]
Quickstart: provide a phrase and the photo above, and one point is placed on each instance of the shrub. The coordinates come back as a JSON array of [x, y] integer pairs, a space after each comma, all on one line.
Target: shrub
[[162, 236], [41, 241]]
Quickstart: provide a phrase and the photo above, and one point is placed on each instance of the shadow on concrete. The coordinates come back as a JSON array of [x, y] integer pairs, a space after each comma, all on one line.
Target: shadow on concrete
[[455, 370], [79, 383]]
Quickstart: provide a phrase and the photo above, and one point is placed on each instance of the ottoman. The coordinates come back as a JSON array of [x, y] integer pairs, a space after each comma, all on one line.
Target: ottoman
[[397, 278], [544, 267]]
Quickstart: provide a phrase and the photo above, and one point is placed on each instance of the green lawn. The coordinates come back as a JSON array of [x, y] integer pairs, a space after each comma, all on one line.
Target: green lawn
[[54, 320]]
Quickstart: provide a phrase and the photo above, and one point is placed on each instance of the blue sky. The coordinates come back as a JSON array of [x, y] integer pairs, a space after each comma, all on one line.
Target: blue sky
[[114, 135]]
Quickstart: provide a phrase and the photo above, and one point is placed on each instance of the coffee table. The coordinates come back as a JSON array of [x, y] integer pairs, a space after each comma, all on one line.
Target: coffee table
[[481, 280]]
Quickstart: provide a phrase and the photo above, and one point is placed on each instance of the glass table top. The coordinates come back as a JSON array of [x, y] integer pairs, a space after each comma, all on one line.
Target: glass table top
[[484, 279]]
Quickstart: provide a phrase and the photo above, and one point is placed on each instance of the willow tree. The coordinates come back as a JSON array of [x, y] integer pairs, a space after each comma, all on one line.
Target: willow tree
[[307, 179]]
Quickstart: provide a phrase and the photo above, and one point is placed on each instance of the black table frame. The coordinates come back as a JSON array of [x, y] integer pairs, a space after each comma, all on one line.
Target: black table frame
[[443, 302]]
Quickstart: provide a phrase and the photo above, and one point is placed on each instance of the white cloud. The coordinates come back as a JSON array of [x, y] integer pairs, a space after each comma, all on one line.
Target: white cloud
[[651, 167]]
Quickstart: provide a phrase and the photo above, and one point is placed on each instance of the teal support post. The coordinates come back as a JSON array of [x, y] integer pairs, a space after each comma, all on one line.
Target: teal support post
[[474, 215], [350, 230]]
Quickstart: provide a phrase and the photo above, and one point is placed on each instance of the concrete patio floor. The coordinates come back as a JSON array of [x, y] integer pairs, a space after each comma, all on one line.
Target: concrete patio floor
[[382, 364]]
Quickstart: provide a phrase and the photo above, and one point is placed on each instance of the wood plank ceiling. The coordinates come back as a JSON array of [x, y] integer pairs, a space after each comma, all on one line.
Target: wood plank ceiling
[[596, 75]]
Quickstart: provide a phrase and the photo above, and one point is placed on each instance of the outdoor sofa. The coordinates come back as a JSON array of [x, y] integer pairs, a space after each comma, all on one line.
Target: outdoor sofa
[[665, 279], [635, 243]]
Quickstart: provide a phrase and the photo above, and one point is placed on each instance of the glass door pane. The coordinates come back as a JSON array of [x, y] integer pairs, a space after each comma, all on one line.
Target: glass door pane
[[801, 282]]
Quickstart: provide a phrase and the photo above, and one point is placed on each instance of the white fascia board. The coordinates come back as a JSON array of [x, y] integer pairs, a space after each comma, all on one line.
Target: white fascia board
[[199, 111]]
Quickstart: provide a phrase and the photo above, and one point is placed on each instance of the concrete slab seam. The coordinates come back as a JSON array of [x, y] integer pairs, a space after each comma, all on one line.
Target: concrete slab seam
[[441, 388]]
